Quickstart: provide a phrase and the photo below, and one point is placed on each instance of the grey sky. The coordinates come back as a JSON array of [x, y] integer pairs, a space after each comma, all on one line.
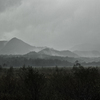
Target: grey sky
[[60, 24]]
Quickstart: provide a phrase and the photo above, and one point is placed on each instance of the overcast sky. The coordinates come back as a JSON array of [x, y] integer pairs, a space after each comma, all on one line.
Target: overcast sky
[[60, 24]]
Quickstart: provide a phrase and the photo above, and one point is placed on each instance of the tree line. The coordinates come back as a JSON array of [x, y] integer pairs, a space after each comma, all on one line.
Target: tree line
[[20, 61], [27, 83]]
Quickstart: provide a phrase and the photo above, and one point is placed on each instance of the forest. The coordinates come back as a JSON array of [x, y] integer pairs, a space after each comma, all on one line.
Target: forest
[[28, 83], [15, 61], [19, 61]]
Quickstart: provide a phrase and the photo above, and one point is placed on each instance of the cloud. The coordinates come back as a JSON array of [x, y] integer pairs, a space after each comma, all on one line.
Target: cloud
[[5, 4], [54, 23]]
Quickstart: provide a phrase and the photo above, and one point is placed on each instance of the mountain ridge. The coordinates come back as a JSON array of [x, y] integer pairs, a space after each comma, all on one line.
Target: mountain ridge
[[17, 46], [53, 52], [88, 53]]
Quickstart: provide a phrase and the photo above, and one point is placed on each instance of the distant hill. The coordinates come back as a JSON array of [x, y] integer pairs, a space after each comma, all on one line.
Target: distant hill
[[87, 50], [16, 46], [69, 53], [52, 52], [86, 47], [88, 53], [35, 55]]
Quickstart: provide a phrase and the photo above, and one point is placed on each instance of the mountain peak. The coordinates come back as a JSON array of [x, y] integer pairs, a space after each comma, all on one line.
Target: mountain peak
[[16, 46], [53, 52], [15, 39]]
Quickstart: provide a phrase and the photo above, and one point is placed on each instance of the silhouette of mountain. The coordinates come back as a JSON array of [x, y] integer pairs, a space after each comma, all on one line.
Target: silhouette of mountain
[[16, 46], [69, 53], [86, 47], [88, 53], [36, 55], [52, 52]]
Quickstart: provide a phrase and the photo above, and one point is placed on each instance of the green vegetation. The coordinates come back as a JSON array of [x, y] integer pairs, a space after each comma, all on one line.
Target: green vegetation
[[27, 83]]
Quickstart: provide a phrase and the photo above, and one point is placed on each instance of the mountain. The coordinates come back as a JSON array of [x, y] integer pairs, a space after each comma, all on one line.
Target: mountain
[[2, 44], [38, 55], [16, 46], [88, 53], [86, 47], [35, 55], [87, 50], [37, 49], [69, 53], [52, 52]]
